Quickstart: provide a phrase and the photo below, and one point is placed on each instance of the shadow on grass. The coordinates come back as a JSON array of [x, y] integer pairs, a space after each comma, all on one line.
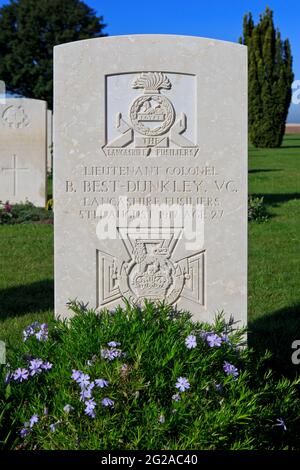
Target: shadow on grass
[[276, 332], [20, 300], [275, 199]]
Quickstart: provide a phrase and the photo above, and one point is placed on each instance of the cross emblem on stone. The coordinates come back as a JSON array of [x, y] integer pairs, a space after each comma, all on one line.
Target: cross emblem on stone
[[14, 168]]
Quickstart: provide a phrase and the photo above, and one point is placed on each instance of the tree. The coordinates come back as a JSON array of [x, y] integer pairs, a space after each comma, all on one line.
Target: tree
[[29, 29], [270, 80]]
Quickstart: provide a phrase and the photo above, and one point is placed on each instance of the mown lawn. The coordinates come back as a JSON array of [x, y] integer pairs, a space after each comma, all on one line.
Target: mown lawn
[[274, 251], [26, 261]]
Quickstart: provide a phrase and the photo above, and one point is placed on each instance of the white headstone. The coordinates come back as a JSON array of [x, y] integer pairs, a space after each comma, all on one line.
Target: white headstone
[[145, 125], [23, 151], [49, 140]]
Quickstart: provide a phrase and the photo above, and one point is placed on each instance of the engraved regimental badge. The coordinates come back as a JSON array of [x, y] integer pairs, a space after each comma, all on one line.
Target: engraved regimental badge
[[152, 123]]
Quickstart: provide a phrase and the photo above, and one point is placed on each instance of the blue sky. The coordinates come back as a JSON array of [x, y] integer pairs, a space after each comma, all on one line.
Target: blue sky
[[219, 19]]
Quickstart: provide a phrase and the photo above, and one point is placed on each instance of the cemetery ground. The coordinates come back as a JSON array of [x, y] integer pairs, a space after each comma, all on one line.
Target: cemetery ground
[[26, 275]]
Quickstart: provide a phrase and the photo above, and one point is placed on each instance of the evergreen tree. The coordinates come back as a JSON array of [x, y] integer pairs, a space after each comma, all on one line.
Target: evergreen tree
[[270, 80], [29, 29]]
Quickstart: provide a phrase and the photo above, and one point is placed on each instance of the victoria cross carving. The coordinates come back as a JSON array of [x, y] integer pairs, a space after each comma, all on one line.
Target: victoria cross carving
[[152, 271]]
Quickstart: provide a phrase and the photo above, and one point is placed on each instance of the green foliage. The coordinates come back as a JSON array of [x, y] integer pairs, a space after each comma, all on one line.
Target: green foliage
[[257, 210], [270, 80], [25, 213], [29, 29], [216, 412]]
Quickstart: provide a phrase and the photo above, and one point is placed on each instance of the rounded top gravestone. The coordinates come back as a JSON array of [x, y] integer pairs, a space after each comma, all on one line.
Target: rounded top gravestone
[[150, 168], [23, 151]]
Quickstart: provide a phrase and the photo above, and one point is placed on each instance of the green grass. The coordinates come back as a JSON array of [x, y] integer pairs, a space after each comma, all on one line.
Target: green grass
[[26, 277], [274, 250], [26, 260]]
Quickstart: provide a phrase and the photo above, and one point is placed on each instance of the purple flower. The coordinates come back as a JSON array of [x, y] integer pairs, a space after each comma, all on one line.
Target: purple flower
[[182, 384], [47, 365], [101, 383], [191, 342], [29, 331], [176, 397], [230, 369], [108, 402], [76, 374], [42, 335], [86, 392], [21, 374], [281, 423], [68, 408], [219, 388], [161, 419], [24, 432], [111, 354], [83, 380], [113, 344], [90, 406], [214, 340], [33, 420], [37, 329], [53, 427], [225, 338], [35, 366]]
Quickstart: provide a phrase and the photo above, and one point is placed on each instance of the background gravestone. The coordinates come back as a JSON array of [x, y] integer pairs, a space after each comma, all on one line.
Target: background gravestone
[[49, 139], [23, 151], [159, 120]]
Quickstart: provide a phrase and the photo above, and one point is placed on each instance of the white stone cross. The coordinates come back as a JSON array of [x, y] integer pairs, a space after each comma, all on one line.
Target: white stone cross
[[14, 169]]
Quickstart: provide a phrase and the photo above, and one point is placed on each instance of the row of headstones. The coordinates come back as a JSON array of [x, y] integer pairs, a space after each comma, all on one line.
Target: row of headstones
[[25, 150]]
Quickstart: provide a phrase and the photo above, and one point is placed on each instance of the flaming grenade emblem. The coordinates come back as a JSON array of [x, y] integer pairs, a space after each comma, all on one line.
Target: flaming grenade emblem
[[152, 114], [153, 123]]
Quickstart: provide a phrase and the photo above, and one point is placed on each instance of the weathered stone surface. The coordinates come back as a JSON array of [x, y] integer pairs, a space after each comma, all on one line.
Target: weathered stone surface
[[151, 120], [23, 151]]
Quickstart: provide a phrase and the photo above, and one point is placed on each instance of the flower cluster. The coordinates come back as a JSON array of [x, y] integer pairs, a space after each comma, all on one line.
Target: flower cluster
[[7, 207], [230, 369], [40, 331], [86, 387], [29, 425], [212, 339], [182, 385], [112, 352], [5, 212], [35, 367]]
